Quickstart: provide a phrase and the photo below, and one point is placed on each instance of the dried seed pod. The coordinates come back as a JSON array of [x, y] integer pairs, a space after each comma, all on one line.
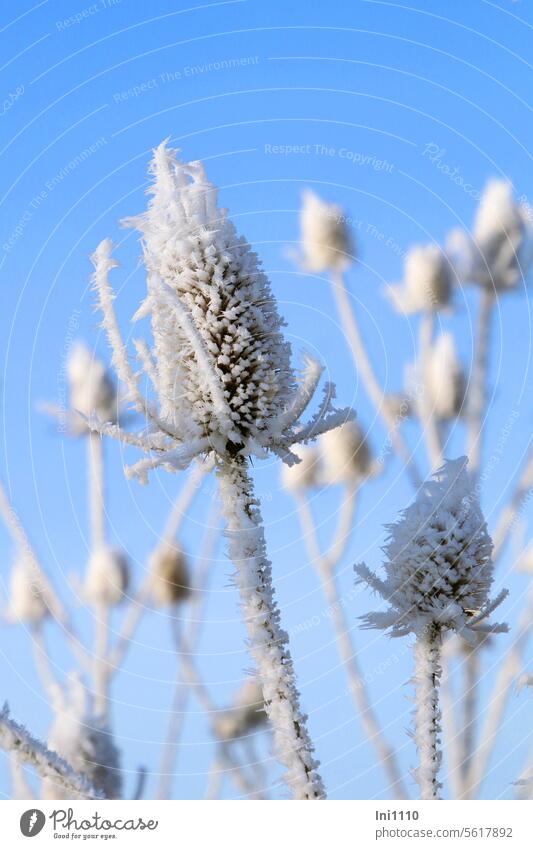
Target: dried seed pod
[[28, 596], [107, 576], [302, 475], [170, 575], [246, 715], [345, 454]]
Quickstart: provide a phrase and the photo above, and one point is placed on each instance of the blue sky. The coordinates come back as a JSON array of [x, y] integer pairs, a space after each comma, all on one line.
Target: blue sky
[[400, 112]]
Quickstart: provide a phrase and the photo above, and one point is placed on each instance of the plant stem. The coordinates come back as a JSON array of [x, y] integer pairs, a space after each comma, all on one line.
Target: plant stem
[[373, 388], [324, 564], [195, 622], [95, 461], [429, 424], [268, 642], [509, 669], [427, 651], [478, 389]]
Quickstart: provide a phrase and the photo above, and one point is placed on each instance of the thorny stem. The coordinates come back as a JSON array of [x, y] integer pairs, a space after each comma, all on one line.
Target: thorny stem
[[268, 642], [373, 388], [324, 565], [478, 389], [427, 651]]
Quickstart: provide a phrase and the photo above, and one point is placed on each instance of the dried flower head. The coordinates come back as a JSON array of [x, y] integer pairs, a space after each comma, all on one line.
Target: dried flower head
[[219, 364], [427, 284], [439, 566], [499, 254], [345, 455], [107, 576], [170, 575], [86, 743], [443, 379], [326, 241], [92, 392], [306, 473], [246, 715], [28, 597]]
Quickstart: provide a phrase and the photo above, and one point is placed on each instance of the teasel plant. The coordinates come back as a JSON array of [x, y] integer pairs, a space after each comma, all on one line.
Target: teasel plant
[[444, 396], [438, 576], [225, 391]]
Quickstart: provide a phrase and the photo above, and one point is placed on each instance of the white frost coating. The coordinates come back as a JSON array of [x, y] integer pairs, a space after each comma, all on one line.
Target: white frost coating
[[439, 572], [107, 576], [326, 242], [427, 712], [91, 390], [225, 389], [28, 597], [499, 254], [306, 473], [439, 566], [427, 283], [86, 742], [218, 362], [268, 642], [48, 764], [345, 454], [443, 380], [246, 715], [169, 575]]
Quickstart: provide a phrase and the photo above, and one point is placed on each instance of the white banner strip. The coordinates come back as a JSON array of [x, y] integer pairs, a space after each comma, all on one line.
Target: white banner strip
[[264, 825]]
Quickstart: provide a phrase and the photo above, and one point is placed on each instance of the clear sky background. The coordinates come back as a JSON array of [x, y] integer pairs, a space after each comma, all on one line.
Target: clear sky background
[[365, 90]]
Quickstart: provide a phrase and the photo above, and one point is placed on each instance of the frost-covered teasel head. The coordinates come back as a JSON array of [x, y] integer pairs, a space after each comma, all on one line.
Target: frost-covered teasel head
[[499, 253], [246, 715], [28, 594], [218, 362], [438, 568], [428, 281], [345, 455], [170, 575], [326, 241], [443, 380], [92, 392], [305, 474], [107, 576], [86, 743]]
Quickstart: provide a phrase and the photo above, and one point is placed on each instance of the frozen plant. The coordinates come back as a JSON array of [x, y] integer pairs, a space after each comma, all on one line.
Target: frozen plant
[[326, 241], [85, 742], [443, 379], [107, 576], [439, 572], [91, 390], [345, 455], [170, 576], [226, 391], [48, 764], [306, 473], [247, 713], [28, 597], [427, 284], [498, 255]]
